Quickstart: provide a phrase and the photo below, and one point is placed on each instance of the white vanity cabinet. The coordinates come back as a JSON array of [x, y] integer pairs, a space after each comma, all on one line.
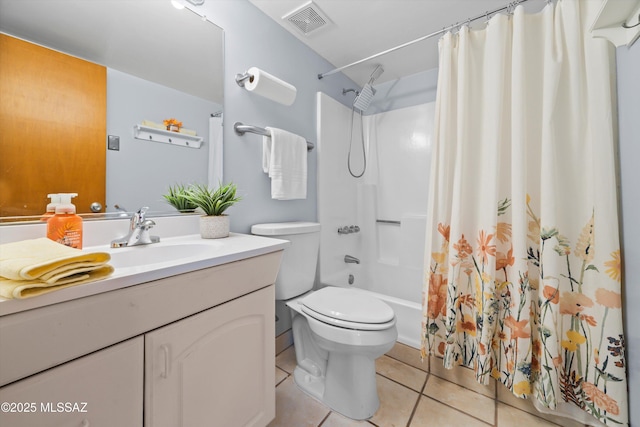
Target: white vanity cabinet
[[192, 349], [101, 389], [214, 368]]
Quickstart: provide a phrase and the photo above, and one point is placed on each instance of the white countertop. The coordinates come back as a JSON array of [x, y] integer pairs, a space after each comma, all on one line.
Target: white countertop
[[233, 248]]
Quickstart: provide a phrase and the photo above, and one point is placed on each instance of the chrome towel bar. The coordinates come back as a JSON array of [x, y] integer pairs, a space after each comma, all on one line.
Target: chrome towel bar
[[241, 129]]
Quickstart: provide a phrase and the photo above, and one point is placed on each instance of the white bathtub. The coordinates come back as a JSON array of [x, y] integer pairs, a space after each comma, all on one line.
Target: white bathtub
[[408, 318]]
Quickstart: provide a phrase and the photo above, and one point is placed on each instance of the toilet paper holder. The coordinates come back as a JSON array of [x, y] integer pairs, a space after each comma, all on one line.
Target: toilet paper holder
[[242, 78], [267, 85]]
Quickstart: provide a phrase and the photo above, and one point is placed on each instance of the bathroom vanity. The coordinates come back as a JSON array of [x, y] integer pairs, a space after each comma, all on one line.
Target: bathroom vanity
[[186, 341]]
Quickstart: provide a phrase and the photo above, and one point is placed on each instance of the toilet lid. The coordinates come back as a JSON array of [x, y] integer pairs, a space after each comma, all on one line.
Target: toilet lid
[[347, 305]]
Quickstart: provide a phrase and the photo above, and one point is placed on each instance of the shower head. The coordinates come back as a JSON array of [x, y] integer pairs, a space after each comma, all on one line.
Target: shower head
[[363, 99], [365, 96]]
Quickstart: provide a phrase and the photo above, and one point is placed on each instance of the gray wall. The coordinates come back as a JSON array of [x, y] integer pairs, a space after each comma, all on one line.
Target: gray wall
[[141, 171], [253, 39], [628, 64]]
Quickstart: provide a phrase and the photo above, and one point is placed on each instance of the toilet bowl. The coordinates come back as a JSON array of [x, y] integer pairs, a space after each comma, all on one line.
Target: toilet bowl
[[336, 357], [338, 333]]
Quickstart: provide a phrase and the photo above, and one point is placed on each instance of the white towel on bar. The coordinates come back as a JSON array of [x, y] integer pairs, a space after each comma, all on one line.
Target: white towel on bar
[[284, 158]]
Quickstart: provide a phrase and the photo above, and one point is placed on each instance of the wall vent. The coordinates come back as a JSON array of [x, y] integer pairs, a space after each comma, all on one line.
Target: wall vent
[[308, 18]]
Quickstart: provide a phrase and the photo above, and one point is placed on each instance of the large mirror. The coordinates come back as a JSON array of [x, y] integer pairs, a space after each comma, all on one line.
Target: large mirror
[[161, 63]]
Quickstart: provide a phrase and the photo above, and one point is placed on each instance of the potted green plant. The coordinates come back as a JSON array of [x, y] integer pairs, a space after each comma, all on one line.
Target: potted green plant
[[176, 198], [214, 223]]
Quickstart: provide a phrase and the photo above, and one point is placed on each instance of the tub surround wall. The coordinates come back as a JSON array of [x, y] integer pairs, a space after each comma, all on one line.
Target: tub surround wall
[[400, 153], [628, 65], [337, 195], [393, 188]]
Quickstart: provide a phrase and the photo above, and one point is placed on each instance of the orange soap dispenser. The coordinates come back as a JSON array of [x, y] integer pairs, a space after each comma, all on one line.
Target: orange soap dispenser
[[65, 226]]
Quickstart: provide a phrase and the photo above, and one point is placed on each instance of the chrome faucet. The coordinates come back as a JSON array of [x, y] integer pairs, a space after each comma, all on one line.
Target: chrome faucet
[[351, 259], [138, 231]]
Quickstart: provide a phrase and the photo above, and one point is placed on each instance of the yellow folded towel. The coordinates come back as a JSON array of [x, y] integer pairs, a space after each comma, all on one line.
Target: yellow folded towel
[[20, 289], [45, 259]]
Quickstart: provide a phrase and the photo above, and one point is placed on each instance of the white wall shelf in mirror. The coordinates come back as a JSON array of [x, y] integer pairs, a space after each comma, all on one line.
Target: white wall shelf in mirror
[[146, 133]]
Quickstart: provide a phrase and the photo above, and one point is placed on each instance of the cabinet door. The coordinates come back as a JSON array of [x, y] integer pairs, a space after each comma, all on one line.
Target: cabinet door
[[215, 368], [101, 389]]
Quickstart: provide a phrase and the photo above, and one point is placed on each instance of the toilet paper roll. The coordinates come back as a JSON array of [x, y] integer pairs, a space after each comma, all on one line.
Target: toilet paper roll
[[271, 87]]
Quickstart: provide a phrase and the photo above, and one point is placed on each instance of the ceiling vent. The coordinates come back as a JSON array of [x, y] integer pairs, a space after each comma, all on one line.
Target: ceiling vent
[[308, 18]]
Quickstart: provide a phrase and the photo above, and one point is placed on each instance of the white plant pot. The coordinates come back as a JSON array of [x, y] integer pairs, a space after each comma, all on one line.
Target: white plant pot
[[214, 227]]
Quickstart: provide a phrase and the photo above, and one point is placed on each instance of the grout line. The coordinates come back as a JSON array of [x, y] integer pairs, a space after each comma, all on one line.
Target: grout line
[[398, 382], [415, 407], [412, 366], [325, 418], [283, 350], [457, 410], [467, 388], [284, 379], [495, 404], [535, 414]]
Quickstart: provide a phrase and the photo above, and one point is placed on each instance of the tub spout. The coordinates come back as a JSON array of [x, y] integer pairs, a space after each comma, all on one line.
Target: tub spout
[[351, 259]]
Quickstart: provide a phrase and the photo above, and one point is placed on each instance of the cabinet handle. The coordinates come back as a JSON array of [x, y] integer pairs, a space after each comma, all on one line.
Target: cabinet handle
[[165, 353]]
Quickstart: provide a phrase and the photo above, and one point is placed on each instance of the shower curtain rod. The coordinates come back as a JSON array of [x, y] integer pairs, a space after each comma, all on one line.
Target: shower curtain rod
[[513, 4]]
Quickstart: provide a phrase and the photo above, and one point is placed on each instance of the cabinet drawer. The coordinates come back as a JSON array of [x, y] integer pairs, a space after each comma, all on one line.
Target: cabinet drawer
[[100, 389]]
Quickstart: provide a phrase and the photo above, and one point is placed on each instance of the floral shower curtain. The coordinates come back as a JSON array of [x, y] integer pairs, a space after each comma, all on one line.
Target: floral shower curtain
[[522, 269]]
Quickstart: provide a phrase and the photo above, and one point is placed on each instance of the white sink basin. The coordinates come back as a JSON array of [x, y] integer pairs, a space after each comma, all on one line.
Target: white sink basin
[[136, 256]]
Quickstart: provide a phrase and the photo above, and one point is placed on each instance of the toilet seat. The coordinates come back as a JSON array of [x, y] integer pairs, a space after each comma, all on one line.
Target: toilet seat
[[348, 325], [348, 308]]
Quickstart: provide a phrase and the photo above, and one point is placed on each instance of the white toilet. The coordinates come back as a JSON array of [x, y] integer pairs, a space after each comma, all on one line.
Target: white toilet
[[338, 332]]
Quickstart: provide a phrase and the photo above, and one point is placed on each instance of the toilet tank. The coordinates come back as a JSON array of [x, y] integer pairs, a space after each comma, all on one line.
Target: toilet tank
[[298, 267]]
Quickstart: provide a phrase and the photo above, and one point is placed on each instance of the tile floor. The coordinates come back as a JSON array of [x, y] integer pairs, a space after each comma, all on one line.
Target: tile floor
[[411, 396]]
